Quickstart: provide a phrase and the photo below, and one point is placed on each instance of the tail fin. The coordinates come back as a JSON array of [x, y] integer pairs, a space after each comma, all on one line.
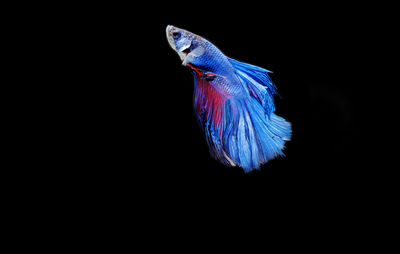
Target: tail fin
[[254, 134], [242, 131], [251, 138]]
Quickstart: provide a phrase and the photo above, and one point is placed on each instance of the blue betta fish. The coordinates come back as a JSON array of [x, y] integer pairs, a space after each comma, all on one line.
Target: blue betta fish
[[233, 102]]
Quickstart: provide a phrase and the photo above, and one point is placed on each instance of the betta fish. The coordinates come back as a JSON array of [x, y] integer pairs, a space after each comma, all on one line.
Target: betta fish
[[233, 102]]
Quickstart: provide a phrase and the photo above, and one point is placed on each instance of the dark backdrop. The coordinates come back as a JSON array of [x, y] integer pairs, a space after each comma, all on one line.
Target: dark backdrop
[[139, 116], [125, 144]]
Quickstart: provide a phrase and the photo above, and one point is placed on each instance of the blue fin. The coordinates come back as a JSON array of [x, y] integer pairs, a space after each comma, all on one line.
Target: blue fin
[[254, 134], [258, 83], [252, 138], [242, 131]]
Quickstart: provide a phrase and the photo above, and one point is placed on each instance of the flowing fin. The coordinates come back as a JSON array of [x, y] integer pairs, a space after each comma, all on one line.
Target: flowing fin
[[209, 106], [251, 138], [260, 135], [242, 131], [258, 83]]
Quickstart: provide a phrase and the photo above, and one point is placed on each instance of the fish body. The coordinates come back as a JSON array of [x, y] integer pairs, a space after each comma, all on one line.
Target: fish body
[[233, 102]]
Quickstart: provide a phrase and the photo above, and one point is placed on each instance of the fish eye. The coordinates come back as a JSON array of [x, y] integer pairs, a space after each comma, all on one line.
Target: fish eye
[[176, 35]]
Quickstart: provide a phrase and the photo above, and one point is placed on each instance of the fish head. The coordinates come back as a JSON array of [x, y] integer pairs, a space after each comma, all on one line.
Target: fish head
[[189, 46]]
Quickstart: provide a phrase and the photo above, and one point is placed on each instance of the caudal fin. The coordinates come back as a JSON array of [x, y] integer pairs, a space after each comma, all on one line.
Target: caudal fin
[[253, 138], [242, 131], [254, 134]]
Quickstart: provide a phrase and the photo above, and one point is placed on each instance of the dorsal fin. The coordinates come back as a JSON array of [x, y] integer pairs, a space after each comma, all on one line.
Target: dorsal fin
[[258, 82]]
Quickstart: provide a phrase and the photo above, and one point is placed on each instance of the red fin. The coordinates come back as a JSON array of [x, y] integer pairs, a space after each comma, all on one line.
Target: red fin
[[209, 103]]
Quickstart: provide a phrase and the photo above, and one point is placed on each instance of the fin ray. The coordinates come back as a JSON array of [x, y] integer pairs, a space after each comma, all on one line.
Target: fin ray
[[258, 82]]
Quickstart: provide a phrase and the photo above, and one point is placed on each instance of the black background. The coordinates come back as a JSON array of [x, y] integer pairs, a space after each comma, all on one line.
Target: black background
[[121, 139], [113, 147], [135, 100], [111, 143]]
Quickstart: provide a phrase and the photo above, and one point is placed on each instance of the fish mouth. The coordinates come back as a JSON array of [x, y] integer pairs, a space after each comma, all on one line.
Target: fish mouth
[[170, 38]]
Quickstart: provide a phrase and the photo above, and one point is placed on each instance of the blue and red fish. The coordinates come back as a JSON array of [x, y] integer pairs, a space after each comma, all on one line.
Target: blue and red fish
[[233, 102]]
